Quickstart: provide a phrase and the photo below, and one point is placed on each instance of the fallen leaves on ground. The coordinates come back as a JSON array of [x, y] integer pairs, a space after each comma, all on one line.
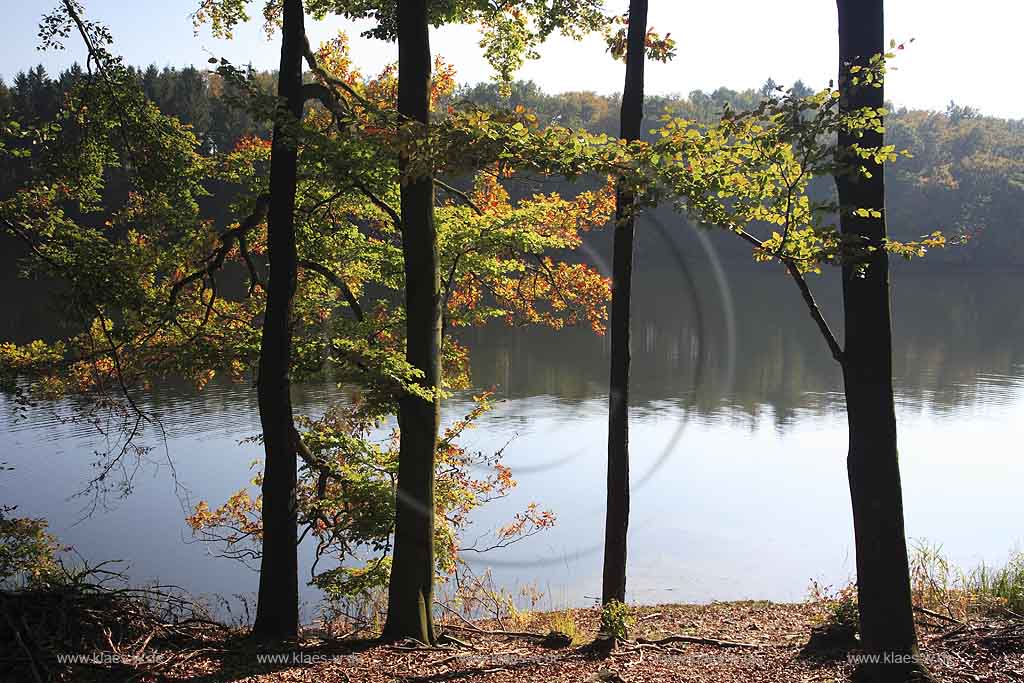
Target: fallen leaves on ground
[[982, 652]]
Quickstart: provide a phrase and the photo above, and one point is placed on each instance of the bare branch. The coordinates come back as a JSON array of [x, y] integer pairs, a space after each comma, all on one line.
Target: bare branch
[[805, 292], [254, 276], [812, 307]]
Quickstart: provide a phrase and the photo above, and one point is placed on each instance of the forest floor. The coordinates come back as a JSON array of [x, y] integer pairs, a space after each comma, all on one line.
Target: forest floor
[[752, 642]]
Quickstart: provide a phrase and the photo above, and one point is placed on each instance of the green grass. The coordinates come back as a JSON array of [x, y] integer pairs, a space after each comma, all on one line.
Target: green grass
[[938, 585], [1001, 586], [565, 622], [986, 589]]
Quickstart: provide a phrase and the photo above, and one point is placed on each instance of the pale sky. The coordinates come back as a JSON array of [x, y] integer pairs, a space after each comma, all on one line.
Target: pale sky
[[967, 51]]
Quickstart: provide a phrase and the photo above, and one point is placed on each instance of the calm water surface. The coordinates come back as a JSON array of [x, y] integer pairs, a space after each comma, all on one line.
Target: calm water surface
[[738, 441]]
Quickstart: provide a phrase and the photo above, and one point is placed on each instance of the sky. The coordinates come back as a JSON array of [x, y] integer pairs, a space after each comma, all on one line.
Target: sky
[[963, 51]]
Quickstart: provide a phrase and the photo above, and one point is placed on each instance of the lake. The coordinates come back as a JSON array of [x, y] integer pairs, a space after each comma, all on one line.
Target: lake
[[738, 440]]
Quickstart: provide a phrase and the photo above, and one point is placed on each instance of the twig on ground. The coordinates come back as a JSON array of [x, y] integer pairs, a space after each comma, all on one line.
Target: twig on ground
[[938, 615]]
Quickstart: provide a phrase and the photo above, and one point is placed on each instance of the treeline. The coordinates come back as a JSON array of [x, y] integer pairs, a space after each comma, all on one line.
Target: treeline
[[197, 98], [966, 175]]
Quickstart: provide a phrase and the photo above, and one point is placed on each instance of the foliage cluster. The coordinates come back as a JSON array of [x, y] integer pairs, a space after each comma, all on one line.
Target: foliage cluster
[[28, 552], [837, 608], [616, 619], [350, 514], [105, 212]]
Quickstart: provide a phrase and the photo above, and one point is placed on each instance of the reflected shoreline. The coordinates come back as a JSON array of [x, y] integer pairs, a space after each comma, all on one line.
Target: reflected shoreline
[[757, 471]]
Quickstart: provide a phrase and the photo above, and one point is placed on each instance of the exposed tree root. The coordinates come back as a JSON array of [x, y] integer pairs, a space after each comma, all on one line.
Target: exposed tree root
[[696, 640]]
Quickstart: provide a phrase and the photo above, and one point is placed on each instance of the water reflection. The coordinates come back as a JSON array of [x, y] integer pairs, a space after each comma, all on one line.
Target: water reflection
[[958, 341], [749, 497]]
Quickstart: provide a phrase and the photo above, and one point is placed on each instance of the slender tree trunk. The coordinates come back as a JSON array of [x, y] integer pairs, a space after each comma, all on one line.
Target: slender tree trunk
[[410, 594], [277, 612], [883, 579], [617, 515]]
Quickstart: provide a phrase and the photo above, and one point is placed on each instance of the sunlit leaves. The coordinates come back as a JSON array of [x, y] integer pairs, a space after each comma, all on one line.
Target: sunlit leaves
[[221, 15], [346, 499], [507, 41], [510, 31], [657, 48], [916, 248], [28, 552]]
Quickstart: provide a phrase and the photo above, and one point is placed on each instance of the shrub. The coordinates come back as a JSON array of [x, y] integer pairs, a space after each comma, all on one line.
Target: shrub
[[838, 608], [616, 619], [27, 550]]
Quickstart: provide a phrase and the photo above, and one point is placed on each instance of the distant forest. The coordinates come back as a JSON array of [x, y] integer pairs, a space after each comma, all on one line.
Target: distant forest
[[966, 175]]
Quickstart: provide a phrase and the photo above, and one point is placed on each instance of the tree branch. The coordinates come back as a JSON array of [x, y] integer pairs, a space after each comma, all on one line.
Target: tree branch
[[96, 55], [325, 96], [805, 292], [812, 307], [337, 82], [227, 240], [338, 282], [396, 219], [456, 192], [254, 276]]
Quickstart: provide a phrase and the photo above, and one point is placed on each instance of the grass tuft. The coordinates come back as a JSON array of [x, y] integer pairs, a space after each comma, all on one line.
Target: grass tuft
[[985, 590], [565, 622]]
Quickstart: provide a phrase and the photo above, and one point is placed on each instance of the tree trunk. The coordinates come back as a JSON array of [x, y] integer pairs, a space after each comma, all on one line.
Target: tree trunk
[[277, 612], [617, 515], [410, 594], [883, 579]]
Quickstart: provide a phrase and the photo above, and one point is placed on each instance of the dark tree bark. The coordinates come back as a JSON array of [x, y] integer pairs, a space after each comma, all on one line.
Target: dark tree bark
[[617, 514], [277, 612], [883, 579], [410, 593]]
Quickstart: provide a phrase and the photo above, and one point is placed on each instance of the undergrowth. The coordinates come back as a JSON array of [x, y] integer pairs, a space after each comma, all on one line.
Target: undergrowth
[[938, 585]]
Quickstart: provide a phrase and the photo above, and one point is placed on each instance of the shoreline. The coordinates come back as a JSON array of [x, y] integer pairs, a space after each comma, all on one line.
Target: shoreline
[[753, 641]]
